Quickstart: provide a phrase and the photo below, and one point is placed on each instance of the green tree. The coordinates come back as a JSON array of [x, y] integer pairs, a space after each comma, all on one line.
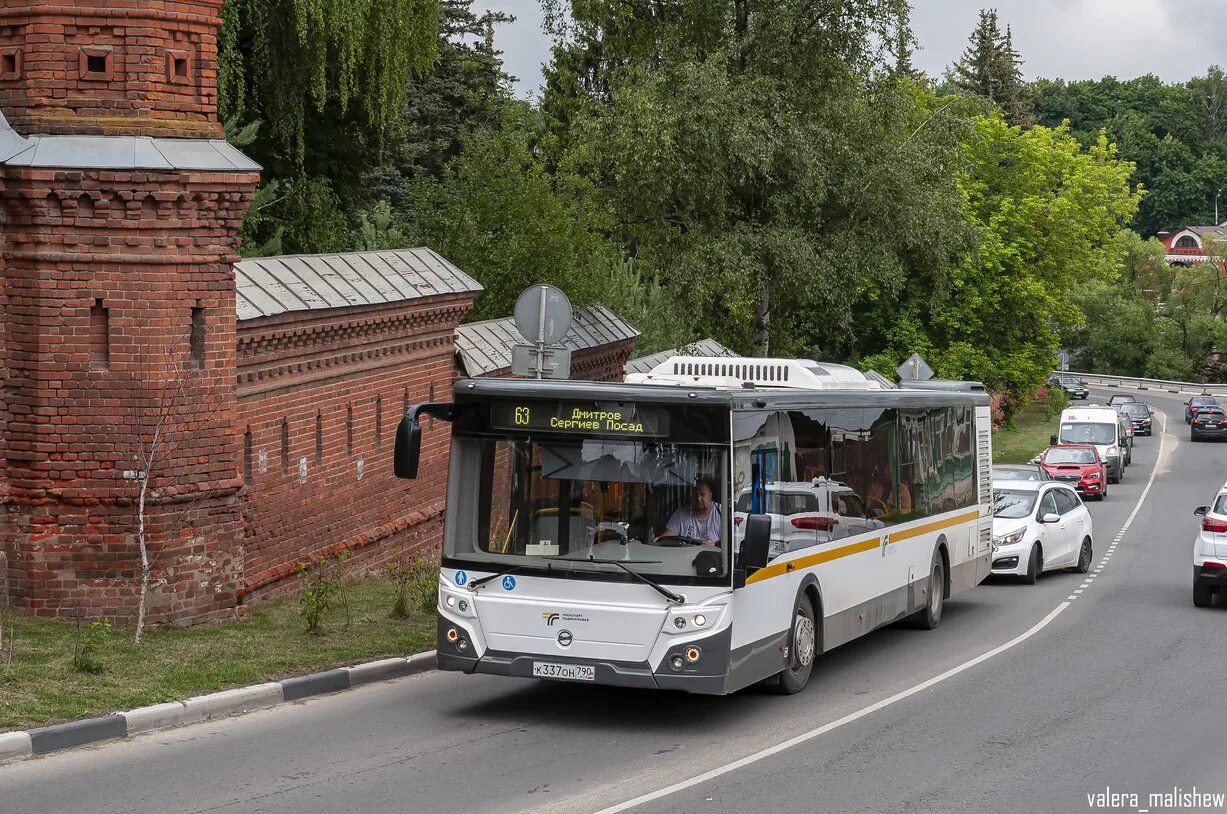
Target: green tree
[[327, 81], [767, 172], [1048, 215], [1173, 133], [465, 88], [498, 214], [991, 68]]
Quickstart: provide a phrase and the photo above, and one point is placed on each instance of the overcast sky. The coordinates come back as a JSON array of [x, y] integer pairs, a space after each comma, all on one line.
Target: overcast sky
[[1070, 39]]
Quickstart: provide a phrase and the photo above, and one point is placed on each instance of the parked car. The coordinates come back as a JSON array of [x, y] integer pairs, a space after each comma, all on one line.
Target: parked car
[[1075, 388], [1198, 403], [1210, 550], [1020, 472], [1208, 422], [1039, 526], [1121, 398], [808, 513], [1079, 466], [1141, 415]]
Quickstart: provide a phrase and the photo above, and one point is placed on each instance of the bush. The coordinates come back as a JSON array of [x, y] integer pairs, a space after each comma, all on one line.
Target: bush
[[90, 649], [417, 585], [315, 591]]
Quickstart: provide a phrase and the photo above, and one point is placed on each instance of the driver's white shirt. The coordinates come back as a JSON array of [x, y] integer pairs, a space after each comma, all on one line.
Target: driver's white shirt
[[685, 522]]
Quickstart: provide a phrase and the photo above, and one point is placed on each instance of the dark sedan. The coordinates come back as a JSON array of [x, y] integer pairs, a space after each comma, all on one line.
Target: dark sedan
[[1075, 388], [1139, 415], [1197, 403], [1208, 422]]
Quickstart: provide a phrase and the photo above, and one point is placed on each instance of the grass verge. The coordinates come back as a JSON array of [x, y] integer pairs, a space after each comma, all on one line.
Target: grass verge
[[1034, 425], [41, 686]]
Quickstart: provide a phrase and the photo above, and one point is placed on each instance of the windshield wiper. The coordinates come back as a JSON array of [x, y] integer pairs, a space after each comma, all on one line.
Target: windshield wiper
[[477, 583], [656, 586]]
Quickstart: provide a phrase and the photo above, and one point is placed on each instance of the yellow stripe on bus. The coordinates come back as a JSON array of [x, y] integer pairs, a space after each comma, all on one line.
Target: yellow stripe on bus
[[811, 560], [936, 525]]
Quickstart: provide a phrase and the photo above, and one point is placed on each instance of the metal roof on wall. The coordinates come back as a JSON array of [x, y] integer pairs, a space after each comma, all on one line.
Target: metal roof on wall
[[120, 153], [703, 347], [485, 347], [268, 286]]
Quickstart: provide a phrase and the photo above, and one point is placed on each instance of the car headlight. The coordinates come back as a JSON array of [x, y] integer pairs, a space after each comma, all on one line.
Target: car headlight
[[1011, 538], [1113, 452], [1093, 476]]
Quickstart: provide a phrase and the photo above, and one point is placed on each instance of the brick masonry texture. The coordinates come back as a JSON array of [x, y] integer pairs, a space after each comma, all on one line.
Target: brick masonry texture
[[156, 61], [267, 443]]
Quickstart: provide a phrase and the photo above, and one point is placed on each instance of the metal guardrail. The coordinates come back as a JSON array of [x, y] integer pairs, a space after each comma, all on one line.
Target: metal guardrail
[[1146, 384]]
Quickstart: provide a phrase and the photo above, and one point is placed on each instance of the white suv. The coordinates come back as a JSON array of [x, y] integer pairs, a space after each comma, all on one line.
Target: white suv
[[808, 513], [1210, 550]]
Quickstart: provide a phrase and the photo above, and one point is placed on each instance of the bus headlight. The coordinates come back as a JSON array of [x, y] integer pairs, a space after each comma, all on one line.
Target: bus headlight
[[693, 654], [450, 601], [679, 622], [699, 620]]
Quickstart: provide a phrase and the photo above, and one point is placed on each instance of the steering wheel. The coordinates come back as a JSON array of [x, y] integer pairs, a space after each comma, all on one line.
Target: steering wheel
[[677, 541]]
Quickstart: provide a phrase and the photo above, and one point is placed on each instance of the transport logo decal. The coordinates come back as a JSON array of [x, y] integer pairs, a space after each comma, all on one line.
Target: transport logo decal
[[550, 618]]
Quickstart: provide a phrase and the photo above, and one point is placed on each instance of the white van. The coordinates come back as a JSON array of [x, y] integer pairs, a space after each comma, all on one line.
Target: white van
[[1101, 427]]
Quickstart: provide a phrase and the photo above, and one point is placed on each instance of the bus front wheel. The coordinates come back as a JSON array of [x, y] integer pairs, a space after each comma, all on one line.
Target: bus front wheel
[[802, 650]]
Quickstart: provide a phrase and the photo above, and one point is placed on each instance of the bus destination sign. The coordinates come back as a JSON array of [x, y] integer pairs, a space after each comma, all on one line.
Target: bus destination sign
[[580, 419]]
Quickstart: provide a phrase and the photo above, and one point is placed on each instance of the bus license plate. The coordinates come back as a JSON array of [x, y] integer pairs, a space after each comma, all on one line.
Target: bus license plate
[[570, 672]]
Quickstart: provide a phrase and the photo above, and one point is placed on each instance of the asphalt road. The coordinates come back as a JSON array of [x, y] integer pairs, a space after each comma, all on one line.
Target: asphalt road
[[1027, 698]]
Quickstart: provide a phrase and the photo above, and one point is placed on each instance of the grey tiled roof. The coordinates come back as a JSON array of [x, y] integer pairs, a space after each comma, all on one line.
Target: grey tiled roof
[[274, 285], [120, 153], [703, 347], [485, 347]]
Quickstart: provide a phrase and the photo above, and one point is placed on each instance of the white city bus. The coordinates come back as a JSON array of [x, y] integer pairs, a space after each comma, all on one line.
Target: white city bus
[[842, 506]]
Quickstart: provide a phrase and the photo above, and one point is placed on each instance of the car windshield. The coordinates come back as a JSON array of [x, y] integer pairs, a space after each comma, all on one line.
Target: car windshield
[[1137, 409], [1070, 456], [1011, 504], [1017, 473], [513, 502], [1088, 433]]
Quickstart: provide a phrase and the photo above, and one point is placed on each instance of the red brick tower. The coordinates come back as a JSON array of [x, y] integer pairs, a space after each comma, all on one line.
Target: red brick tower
[[119, 206]]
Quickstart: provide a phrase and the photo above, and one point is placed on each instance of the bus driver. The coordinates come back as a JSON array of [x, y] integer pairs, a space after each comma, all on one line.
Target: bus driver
[[698, 521]]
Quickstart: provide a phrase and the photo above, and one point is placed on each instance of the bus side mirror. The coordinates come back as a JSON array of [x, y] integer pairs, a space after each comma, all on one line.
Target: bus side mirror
[[1052, 440], [408, 450], [755, 547]]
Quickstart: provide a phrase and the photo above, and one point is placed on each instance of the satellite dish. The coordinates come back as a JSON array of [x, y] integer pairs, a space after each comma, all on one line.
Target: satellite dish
[[543, 315]]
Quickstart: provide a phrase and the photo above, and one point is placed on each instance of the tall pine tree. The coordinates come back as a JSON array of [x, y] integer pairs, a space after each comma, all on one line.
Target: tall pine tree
[[992, 69]]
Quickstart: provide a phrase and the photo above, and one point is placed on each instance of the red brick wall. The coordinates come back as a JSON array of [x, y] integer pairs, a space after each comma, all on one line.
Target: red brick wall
[[101, 273], [312, 386], [160, 60]]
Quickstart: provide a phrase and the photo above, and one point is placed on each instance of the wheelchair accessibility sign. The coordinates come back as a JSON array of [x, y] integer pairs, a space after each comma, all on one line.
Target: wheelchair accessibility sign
[[509, 583]]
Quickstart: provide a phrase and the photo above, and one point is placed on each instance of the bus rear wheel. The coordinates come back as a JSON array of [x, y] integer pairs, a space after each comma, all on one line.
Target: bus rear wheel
[[931, 616], [802, 650]]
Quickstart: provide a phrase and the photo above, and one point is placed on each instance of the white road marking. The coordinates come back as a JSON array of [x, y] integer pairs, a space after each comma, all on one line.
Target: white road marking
[[822, 730], [886, 702]]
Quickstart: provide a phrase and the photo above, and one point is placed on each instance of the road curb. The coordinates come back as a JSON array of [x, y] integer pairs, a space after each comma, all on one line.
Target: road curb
[[41, 741]]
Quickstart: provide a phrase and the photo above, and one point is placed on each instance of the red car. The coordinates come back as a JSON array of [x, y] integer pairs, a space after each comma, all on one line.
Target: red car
[[1079, 466]]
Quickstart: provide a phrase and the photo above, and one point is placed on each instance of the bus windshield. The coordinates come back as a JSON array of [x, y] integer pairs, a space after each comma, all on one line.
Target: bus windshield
[[1088, 433], [562, 502]]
